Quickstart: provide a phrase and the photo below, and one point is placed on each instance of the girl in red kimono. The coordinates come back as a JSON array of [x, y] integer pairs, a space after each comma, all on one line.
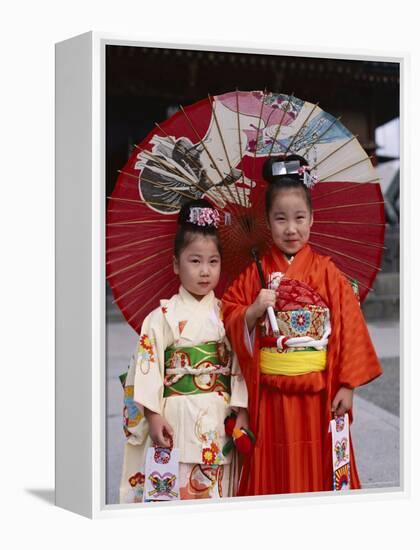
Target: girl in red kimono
[[301, 376]]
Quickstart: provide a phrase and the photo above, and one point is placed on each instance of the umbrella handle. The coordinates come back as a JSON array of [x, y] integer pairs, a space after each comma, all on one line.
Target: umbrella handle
[[270, 310], [273, 321]]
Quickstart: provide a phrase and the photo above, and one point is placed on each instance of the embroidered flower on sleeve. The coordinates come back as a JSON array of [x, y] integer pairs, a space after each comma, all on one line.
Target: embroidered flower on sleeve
[[208, 455], [301, 320], [137, 487], [214, 447], [136, 479], [211, 450], [145, 349], [132, 415]]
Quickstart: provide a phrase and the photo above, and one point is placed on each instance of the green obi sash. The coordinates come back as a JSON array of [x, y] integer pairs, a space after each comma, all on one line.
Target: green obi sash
[[211, 361]]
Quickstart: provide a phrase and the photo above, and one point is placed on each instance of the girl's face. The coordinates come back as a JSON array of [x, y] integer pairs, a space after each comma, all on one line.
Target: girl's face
[[290, 220], [198, 266]]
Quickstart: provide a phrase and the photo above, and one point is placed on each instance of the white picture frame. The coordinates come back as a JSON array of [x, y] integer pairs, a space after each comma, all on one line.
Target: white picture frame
[[80, 279]]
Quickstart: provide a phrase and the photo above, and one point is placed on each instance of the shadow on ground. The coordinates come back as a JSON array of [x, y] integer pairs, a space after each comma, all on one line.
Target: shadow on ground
[[47, 495]]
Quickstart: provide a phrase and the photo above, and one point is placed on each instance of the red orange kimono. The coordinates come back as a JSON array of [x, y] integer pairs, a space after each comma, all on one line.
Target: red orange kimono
[[290, 414]]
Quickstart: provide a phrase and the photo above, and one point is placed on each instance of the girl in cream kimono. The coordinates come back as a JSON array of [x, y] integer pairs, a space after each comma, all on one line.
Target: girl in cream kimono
[[183, 380]]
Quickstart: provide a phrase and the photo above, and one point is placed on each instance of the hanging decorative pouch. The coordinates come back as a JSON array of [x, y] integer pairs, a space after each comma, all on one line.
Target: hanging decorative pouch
[[340, 431], [161, 474]]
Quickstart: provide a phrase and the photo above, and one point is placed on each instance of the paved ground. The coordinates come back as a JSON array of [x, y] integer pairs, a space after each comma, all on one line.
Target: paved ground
[[384, 391], [376, 427]]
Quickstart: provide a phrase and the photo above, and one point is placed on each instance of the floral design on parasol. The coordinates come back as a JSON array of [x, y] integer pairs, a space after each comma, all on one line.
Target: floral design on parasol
[[216, 148]]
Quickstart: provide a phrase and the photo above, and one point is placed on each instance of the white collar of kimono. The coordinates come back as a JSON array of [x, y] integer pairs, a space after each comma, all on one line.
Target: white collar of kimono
[[193, 331], [188, 298]]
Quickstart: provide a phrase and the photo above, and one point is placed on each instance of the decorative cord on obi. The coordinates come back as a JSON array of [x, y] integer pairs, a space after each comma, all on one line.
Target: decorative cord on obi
[[294, 342], [173, 375], [198, 369]]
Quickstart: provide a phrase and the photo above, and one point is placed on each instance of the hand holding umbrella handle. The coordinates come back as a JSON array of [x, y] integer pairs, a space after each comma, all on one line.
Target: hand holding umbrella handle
[[273, 321], [270, 310]]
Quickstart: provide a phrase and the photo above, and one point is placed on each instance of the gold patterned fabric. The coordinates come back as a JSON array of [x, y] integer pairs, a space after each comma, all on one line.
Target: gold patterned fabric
[[308, 321]]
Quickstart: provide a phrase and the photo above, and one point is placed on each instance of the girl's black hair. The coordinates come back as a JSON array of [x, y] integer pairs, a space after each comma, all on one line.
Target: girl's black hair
[[286, 181], [187, 231]]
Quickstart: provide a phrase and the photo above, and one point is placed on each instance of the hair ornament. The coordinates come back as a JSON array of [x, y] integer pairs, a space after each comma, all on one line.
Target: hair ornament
[[308, 180], [289, 167], [204, 216]]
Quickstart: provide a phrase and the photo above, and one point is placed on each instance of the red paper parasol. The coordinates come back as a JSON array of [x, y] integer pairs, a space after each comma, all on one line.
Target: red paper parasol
[[216, 148]]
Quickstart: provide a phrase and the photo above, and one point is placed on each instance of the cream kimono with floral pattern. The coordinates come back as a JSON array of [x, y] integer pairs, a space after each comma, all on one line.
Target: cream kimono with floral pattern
[[198, 419]]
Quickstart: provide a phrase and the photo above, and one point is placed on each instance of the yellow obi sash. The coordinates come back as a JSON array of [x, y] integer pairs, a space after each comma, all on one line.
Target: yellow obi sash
[[292, 364]]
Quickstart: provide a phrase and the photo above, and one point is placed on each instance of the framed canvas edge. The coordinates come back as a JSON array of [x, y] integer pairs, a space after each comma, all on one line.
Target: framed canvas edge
[[406, 288], [254, 47], [73, 261], [99, 507]]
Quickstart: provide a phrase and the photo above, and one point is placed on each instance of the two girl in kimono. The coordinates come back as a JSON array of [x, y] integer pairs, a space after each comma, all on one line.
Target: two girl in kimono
[[297, 376]]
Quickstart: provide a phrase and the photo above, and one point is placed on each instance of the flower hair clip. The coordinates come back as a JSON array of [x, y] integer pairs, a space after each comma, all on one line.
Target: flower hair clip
[[204, 216], [308, 180]]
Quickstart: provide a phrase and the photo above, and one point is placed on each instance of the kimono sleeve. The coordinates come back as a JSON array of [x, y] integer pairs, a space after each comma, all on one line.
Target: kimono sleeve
[[135, 425], [155, 336], [239, 392], [235, 302], [357, 361]]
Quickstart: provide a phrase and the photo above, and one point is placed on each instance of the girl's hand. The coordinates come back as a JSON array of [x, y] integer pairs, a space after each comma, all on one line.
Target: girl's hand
[[265, 298], [160, 430], [342, 402], [242, 419]]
